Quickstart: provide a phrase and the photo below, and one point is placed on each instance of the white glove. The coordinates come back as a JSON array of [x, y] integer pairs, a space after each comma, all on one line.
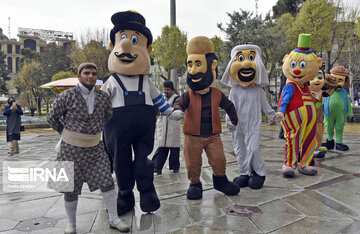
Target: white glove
[[177, 115], [230, 126]]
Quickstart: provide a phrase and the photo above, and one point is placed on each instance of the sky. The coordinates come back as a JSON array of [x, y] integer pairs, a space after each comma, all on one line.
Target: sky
[[194, 17]]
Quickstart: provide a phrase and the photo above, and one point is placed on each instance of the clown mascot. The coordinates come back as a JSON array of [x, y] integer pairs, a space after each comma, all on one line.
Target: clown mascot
[[247, 76], [336, 108], [297, 109], [202, 125], [135, 101]]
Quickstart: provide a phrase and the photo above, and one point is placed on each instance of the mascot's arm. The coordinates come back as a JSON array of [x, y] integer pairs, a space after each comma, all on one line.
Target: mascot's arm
[[287, 93], [265, 107], [229, 107], [349, 107], [182, 102], [159, 100]]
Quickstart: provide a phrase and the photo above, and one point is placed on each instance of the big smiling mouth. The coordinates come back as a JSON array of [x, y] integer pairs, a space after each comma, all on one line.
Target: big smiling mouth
[[127, 60], [246, 73], [297, 77], [196, 80]]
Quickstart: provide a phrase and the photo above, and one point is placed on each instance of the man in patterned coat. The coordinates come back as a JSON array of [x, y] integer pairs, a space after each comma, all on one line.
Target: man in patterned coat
[[79, 115]]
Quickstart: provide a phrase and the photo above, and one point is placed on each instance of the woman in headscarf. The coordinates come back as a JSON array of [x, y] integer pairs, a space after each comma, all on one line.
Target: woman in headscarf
[[12, 111]]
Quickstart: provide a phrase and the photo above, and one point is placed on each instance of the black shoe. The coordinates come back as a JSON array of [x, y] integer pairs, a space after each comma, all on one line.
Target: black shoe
[[176, 170], [329, 144], [256, 181], [149, 200], [194, 191], [157, 171], [242, 181], [125, 203], [319, 154], [222, 184], [342, 147]]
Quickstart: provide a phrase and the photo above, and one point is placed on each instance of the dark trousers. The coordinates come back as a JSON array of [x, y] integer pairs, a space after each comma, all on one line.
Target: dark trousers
[[160, 157], [131, 129]]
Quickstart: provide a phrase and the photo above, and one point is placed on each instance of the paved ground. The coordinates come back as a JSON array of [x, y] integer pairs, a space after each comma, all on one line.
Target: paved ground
[[326, 203]]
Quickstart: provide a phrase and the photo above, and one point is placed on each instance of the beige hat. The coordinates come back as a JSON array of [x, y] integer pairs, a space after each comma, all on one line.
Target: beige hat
[[81, 66]]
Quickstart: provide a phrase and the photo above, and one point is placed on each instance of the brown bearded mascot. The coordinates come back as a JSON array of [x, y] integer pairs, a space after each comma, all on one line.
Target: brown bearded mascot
[[202, 124], [135, 101]]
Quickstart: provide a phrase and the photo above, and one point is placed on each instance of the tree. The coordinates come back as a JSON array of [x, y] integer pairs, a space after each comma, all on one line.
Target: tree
[[54, 59], [286, 6], [219, 50], [94, 52], [169, 49], [31, 76], [4, 72], [62, 75], [316, 18]]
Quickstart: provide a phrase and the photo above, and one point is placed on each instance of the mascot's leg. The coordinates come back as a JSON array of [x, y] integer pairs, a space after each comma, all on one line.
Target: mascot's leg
[[256, 161], [143, 145], [329, 122], [119, 150], [339, 128], [215, 152], [292, 132], [308, 141], [192, 154], [240, 150]]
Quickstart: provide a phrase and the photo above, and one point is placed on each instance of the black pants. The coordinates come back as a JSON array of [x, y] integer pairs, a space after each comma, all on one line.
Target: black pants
[[161, 154], [131, 129]]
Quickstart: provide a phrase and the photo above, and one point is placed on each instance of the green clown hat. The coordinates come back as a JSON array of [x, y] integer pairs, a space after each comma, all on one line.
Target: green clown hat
[[304, 44]]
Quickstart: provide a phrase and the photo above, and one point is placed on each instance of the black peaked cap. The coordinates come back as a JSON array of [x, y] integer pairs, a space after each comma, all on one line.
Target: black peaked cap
[[129, 20]]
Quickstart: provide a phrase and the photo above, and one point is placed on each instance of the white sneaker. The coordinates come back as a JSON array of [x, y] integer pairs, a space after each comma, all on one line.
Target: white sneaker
[[70, 229], [120, 226]]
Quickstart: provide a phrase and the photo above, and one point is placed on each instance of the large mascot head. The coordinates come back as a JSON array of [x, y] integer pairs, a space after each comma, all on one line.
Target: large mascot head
[[130, 44], [301, 65], [342, 76], [245, 67], [201, 63]]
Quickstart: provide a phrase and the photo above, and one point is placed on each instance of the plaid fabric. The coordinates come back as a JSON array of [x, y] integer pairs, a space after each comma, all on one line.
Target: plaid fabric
[[91, 164]]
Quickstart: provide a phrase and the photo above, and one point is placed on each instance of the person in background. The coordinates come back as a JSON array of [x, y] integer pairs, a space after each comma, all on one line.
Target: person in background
[[12, 111], [168, 135]]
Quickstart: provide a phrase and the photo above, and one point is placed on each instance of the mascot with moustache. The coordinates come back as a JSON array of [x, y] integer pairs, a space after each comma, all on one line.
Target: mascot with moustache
[[202, 125], [135, 101], [246, 75]]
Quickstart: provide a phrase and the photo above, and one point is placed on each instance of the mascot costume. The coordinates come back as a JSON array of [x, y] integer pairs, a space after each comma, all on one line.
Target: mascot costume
[[297, 108], [246, 75], [135, 101], [336, 109], [202, 125], [321, 86]]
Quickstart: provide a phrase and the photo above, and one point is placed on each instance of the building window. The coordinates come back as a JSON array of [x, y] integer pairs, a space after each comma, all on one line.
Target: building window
[[9, 49], [17, 48], [42, 49], [31, 44], [17, 64], [0, 47], [9, 61]]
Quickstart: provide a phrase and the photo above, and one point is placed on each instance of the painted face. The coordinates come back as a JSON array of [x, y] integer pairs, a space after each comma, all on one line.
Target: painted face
[[243, 69], [201, 71], [88, 77], [341, 80], [300, 67], [130, 55], [318, 82]]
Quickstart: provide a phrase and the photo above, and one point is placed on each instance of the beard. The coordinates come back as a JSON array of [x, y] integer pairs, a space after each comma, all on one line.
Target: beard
[[207, 80]]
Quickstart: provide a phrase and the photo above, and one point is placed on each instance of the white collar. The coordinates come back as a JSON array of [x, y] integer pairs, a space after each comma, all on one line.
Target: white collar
[[85, 90]]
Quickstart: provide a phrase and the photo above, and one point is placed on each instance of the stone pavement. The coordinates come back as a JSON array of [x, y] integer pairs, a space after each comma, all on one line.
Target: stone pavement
[[326, 203]]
